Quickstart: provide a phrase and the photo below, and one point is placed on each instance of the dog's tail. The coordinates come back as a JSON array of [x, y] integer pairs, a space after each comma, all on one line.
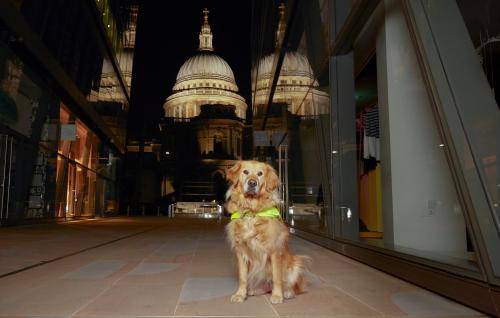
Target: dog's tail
[[299, 271]]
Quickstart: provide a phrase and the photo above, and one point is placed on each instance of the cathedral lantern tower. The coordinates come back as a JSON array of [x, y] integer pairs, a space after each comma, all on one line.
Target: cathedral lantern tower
[[206, 34]]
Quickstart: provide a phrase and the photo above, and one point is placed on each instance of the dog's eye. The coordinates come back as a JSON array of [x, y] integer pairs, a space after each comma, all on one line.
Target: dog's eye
[[245, 171], [259, 173]]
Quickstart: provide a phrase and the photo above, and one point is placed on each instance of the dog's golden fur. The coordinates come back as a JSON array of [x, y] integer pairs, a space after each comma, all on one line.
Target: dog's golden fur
[[261, 243]]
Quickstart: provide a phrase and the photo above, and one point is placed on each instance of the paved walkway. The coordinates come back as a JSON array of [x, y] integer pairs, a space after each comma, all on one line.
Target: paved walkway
[[158, 267]]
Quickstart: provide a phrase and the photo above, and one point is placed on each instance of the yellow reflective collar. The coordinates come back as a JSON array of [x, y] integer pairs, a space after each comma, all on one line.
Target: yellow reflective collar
[[267, 213]]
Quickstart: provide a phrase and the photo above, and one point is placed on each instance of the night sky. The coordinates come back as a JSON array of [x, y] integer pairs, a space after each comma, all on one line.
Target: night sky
[[167, 35]]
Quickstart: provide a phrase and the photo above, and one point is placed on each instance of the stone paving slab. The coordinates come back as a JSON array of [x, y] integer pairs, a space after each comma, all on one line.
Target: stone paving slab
[[159, 267]]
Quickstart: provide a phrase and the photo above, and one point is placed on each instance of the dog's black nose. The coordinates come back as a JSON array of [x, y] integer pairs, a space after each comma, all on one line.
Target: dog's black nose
[[252, 183]]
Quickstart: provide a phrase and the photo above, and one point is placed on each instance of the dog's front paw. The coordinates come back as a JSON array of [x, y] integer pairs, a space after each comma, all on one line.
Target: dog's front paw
[[276, 299], [289, 294], [238, 298]]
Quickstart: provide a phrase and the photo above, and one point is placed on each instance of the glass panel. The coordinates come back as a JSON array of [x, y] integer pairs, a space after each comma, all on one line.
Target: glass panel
[[406, 195], [86, 171], [268, 28], [61, 187], [20, 95], [64, 27], [110, 102], [297, 121], [26, 107], [100, 206], [482, 123], [305, 90], [41, 190]]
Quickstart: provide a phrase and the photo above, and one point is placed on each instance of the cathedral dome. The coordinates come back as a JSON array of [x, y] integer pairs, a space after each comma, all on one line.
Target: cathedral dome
[[205, 66]]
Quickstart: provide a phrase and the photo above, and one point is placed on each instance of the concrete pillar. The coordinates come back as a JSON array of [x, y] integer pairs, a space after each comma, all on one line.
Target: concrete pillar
[[419, 200]]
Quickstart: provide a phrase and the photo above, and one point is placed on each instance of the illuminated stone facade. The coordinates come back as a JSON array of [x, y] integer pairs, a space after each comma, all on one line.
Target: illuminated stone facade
[[204, 79], [204, 124]]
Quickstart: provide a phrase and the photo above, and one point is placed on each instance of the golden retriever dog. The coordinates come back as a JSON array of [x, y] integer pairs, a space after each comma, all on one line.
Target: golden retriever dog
[[259, 237]]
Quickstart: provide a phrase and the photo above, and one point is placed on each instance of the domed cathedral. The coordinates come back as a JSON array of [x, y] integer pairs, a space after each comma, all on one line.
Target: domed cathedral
[[203, 127], [204, 79], [296, 86]]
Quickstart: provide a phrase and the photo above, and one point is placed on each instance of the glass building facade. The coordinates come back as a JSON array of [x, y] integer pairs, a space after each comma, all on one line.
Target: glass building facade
[[380, 119], [64, 94]]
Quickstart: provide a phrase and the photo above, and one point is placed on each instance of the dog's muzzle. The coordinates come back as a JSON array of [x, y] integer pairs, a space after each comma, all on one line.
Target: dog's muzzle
[[251, 187]]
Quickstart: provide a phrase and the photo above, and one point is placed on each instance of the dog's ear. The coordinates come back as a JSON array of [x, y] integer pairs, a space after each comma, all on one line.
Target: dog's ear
[[272, 180], [232, 173]]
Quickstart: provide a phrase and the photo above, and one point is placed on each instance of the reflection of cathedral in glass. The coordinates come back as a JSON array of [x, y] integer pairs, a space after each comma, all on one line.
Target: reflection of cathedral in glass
[[297, 86]]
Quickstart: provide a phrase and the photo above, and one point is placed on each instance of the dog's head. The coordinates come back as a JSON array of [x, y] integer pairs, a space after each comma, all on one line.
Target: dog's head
[[253, 178]]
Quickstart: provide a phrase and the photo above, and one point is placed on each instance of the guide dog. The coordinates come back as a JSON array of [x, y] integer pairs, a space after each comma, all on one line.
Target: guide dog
[[259, 237]]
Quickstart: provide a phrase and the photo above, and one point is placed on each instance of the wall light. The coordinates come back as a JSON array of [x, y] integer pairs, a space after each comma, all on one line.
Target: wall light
[[441, 145]]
